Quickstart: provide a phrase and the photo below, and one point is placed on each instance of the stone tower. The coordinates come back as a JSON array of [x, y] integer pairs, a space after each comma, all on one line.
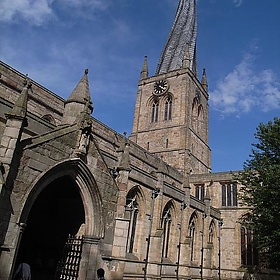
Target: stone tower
[[171, 111]]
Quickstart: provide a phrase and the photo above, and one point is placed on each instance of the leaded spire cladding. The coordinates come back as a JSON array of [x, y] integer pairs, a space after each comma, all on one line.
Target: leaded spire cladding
[[182, 36]]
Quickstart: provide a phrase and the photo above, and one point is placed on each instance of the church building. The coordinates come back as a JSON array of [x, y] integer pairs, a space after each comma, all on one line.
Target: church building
[[77, 197]]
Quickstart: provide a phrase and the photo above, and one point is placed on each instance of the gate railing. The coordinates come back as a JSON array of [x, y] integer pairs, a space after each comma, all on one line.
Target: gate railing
[[68, 266]]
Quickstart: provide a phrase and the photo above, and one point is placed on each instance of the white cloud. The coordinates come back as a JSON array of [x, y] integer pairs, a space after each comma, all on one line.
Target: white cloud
[[244, 89], [96, 4], [37, 12], [32, 11], [237, 2]]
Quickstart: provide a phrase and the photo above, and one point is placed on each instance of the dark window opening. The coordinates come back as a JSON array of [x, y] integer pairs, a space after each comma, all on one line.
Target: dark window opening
[[229, 195], [200, 192], [132, 209], [166, 143], [249, 255], [192, 238], [166, 226], [155, 108], [168, 109]]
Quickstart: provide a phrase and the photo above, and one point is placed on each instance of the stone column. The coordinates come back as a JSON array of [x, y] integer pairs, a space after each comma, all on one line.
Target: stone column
[[91, 258], [9, 250]]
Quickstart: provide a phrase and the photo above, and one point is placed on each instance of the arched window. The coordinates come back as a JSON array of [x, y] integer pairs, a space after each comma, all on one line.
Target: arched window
[[211, 232], [194, 114], [168, 109], [155, 109], [49, 118], [249, 254], [192, 232], [166, 226], [132, 211], [200, 119]]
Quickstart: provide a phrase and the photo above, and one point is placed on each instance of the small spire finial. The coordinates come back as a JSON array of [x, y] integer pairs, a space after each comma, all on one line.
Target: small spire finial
[[144, 73], [86, 71], [27, 83], [204, 80]]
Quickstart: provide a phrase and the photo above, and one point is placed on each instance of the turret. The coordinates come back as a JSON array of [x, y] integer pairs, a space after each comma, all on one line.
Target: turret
[[78, 102], [144, 73], [204, 80]]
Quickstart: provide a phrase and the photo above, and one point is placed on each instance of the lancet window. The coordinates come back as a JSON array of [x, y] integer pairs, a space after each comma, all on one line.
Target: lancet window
[[211, 232], [166, 226], [155, 110], [192, 232], [248, 249], [132, 209], [168, 109]]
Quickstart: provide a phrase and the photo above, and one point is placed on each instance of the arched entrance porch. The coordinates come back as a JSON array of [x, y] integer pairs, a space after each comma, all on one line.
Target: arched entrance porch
[[61, 200], [57, 213]]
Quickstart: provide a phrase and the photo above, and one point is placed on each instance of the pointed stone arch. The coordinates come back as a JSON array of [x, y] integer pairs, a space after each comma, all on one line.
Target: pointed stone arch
[[200, 119], [168, 105], [49, 118], [136, 191], [77, 170], [134, 211], [212, 233], [195, 107], [168, 222], [153, 105], [193, 235], [170, 205], [211, 250]]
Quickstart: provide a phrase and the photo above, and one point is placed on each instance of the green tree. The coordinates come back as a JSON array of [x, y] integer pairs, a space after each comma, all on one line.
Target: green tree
[[261, 192]]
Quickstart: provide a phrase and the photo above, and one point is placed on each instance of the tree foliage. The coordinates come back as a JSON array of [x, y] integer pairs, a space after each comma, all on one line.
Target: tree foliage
[[260, 191]]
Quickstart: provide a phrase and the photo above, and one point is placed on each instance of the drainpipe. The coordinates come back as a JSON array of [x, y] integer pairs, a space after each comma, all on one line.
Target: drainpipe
[[148, 239], [202, 247], [220, 223], [183, 206]]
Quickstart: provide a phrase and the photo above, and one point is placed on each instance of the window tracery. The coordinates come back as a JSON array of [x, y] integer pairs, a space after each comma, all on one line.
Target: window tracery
[[168, 109], [132, 208], [166, 226], [155, 110], [192, 233]]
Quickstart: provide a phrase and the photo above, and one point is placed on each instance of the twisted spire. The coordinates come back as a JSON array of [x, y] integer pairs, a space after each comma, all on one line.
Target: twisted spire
[[182, 36]]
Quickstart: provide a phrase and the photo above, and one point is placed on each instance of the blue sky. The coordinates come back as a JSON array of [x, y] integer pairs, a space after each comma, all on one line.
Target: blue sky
[[238, 43]]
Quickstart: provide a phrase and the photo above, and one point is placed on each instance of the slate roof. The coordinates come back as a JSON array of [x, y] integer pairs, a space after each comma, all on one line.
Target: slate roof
[[182, 36]]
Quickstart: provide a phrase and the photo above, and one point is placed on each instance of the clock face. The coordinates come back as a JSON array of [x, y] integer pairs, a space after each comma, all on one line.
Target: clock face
[[160, 87]]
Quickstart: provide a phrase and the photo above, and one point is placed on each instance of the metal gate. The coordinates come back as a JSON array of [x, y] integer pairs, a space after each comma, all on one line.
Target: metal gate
[[68, 266]]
